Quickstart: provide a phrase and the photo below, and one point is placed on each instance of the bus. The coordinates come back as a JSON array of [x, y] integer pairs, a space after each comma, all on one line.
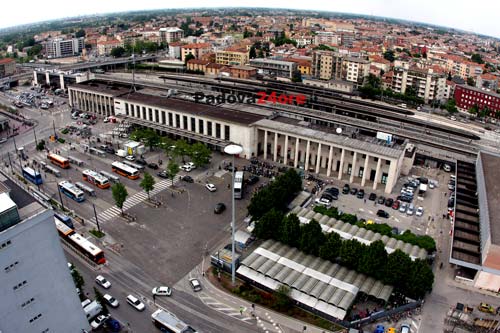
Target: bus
[[64, 219], [33, 176], [60, 161], [168, 322], [87, 248], [71, 191], [134, 165], [125, 170], [238, 184], [75, 160], [95, 178]]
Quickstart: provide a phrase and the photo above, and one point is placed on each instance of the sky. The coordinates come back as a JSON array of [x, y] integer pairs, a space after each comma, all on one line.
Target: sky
[[479, 16]]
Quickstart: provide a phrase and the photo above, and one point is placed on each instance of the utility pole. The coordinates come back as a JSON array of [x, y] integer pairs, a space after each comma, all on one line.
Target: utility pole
[[54, 127], [34, 133], [60, 197], [96, 220], [10, 162]]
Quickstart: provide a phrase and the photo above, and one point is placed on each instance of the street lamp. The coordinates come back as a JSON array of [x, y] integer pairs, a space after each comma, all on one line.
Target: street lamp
[[233, 149]]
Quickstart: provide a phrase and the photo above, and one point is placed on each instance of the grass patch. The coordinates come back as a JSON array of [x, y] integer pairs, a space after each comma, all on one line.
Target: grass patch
[[97, 233]]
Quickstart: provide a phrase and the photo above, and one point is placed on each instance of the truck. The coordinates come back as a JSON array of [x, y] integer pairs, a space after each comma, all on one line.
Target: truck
[[92, 309], [121, 153], [421, 190]]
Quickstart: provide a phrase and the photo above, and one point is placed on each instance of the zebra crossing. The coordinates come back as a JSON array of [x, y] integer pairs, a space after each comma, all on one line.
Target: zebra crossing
[[224, 308], [134, 200]]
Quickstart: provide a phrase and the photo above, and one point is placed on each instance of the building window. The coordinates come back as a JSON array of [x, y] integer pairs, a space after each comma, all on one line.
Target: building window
[[209, 128], [384, 178], [20, 285], [193, 124], [138, 111], [35, 317], [9, 268], [157, 117], [163, 117], [177, 121], [226, 132], [217, 131], [126, 109], [387, 162], [200, 126], [185, 122], [5, 244], [28, 302], [170, 119], [150, 114], [375, 159]]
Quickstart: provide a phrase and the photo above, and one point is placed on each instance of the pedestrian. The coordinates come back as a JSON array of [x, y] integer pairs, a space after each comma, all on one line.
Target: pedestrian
[[241, 310], [218, 276], [365, 200]]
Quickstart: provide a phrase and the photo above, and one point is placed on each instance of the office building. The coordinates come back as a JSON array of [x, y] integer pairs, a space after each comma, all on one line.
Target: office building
[[60, 48], [7, 67], [274, 67], [37, 291], [466, 97]]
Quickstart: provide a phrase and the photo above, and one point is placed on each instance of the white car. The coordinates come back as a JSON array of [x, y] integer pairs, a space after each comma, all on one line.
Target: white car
[[187, 167], [99, 321], [420, 211], [195, 284], [410, 210], [100, 280], [322, 201], [130, 157], [134, 301], [162, 291], [113, 302], [3, 140], [191, 165], [211, 187], [405, 328]]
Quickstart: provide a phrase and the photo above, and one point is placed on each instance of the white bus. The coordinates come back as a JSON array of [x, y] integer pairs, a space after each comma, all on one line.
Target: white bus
[[168, 322], [95, 178], [125, 170], [71, 191], [238, 184]]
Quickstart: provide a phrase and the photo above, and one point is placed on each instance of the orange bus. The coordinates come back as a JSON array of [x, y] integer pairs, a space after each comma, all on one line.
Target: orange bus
[[125, 170], [58, 160], [95, 178]]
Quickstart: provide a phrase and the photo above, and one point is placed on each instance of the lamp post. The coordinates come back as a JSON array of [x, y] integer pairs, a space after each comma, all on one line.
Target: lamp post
[[233, 149]]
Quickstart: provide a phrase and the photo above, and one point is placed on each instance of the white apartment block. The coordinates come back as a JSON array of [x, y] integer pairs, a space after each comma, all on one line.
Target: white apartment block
[[326, 38], [429, 86], [37, 291], [60, 48], [355, 70], [170, 35]]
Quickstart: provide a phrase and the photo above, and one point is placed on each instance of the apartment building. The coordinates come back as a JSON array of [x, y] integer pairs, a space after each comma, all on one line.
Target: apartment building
[[104, 47], [303, 40], [303, 65], [326, 65], [488, 82], [467, 97], [7, 67], [196, 49], [458, 66], [428, 83], [197, 65], [37, 290], [274, 67], [60, 48], [327, 38], [170, 35], [232, 56], [355, 70], [174, 50]]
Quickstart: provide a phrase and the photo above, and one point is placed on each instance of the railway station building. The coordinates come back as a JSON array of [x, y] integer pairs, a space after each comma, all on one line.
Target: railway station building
[[323, 150]]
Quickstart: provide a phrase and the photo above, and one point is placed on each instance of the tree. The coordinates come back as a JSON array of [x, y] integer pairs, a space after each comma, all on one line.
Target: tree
[[420, 280], [120, 194], [182, 149], [477, 58], [200, 154], [269, 225], [80, 33], [331, 248], [350, 253], [117, 52], [311, 238], [252, 54], [296, 76], [188, 57], [484, 112], [290, 230], [77, 279], [397, 269], [247, 33], [389, 55], [451, 107], [167, 145], [147, 183], [373, 260], [373, 81], [100, 299], [41, 145], [470, 81], [151, 138], [35, 50], [474, 109], [283, 300], [172, 170]]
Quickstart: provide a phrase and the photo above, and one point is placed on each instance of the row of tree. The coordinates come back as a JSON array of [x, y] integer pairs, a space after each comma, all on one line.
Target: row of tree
[[277, 195], [412, 278], [425, 241]]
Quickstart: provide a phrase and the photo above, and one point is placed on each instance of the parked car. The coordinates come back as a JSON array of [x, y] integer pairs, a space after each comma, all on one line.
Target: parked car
[[163, 174], [420, 211], [382, 213], [252, 179], [187, 179], [361, 194], [323, 202], [153, 166], [484, 307], [3, 140], [99, 321], [381, 200], [186, 168], [404, 328], [389, 202], [135, 302], [141, 161], [346, 189], [195, 284], [219, 208], [100, 280], [372, 196], [113, 302], [162, 291], [410, 210], [130, 158], [112, 325], [396, 204], [402, 207], [211, 187], [333, 191], [329, 196]]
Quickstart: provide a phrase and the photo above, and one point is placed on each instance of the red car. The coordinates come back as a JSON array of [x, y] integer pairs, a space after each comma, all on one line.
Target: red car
[[396, 204]]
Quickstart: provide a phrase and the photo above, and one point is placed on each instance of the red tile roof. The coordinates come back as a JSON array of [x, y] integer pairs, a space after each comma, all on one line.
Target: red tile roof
[[6, 60]]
